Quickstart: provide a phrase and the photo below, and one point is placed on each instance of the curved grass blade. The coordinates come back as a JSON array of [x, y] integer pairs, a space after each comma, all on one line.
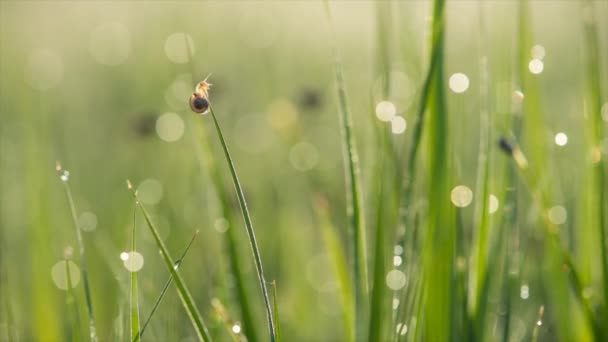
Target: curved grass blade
[[71, 303], [64, 175], [478, 273], [206, 160], [164, 290], [596, 199], [334, 248], [249, 225], [133, 293], [275, 307], [184, 294], [355, 210]]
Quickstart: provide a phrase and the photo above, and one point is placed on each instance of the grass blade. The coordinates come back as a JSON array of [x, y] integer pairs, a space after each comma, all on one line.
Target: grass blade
[[478, 273], [355, 210], [596, 199], [249, 225], [206, 160], [275, 307], [440, 238], [71, 301], [205, 154], [164, 290], [182, 290], [133, 294], [334, 248], [64, 175]]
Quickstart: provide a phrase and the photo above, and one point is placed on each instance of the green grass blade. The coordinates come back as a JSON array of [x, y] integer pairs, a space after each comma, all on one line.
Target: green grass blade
[[133, 292], [334, 247], [249, 226], [71, 303], [275, 307], [595, 202], [182, 289], [440, 239], [207, 161], [478, 273], [64, 176], [355, 209], [164, 290]]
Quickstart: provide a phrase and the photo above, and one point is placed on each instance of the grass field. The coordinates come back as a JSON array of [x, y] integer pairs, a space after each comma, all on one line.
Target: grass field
[[367, 171]]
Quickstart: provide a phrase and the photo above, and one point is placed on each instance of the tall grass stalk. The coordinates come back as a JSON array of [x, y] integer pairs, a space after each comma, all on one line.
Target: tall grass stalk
[[560, 265], [355, 209], [478, 273], [334, 248], [184, 294], [165, 288], [385, 146], [439, 247], [208, 162], [596, 174], [249, 225], [133, 293], [70, 299], [406, 203], [275, 307], [64, 176]]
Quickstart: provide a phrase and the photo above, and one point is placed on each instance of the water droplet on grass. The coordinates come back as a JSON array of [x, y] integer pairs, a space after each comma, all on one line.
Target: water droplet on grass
[[59, 274], [461, 196], [395, 279], [459, 82]]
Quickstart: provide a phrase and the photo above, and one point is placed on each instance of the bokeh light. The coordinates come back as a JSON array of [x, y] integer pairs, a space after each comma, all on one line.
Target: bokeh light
[[459, 82]]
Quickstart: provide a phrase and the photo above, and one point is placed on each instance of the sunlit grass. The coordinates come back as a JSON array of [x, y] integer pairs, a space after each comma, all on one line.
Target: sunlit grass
[[466, 141]]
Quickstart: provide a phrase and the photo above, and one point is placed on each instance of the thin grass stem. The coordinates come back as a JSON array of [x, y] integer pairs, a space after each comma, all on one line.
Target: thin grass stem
[[249, 225], [64, 176], [164, 290], [184, 294]]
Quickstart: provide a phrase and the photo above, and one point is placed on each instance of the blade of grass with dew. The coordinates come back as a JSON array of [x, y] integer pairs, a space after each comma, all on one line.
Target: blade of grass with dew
[[207, 161], [222, 314], [440, 239], [410, 172], [534, 142], [133, 293], [64, 176], [478, 273], [184, 294], [354, 194], [249, 225], [594, 207], [275, 307], [379, 299], [382, 254], [165, 288], [559, 265], [333, 246], [71, 303]]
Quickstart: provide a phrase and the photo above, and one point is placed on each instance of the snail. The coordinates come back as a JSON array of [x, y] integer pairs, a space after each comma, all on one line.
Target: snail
[[199, 100]]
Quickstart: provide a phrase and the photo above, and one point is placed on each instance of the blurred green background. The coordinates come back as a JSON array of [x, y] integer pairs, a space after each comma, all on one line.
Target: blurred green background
[[102, 87]]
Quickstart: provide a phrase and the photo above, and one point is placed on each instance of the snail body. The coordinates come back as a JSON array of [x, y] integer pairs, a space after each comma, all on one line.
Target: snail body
[[199, 100]]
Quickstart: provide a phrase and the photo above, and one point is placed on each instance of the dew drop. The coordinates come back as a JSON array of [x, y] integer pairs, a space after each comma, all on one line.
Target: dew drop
[[395, 279], [536, 66], [461, 196], [459, 82], [134, 262], [385, 110], [60, 276], [398, 125]]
